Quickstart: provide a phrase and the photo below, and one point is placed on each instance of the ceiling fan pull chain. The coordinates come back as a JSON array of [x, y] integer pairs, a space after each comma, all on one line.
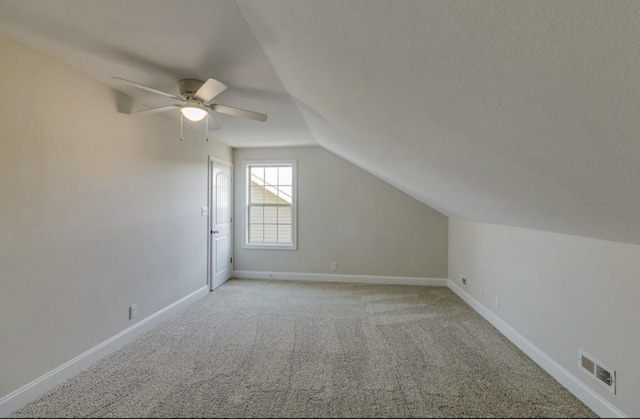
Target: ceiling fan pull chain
[[206, 128], [181, 137]]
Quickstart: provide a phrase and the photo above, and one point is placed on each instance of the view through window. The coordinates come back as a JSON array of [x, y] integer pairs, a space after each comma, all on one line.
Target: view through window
[[271, 204]]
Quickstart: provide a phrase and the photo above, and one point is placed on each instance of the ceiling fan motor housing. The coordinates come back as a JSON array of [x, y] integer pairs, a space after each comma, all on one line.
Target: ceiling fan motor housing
[[188, 87]]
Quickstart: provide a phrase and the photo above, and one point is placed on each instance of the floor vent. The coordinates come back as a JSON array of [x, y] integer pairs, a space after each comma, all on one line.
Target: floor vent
[[602, 374]]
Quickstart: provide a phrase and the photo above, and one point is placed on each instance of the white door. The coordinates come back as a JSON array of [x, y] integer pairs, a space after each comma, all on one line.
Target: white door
[[221, 232]]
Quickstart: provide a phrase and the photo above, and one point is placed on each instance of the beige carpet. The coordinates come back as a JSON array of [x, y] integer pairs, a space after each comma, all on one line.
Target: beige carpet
[[293, 349]]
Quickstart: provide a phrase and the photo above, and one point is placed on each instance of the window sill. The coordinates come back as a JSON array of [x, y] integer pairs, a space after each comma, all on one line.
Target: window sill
[[269, 246]]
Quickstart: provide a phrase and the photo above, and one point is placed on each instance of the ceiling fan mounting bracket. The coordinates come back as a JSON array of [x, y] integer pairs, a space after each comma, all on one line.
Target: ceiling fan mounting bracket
[[188, 87]]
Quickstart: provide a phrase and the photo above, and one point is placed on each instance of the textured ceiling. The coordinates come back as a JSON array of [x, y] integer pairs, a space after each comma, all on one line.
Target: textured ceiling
[[522, 113]]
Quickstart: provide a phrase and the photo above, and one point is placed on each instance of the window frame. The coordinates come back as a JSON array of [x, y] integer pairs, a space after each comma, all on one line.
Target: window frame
[[246, 165]]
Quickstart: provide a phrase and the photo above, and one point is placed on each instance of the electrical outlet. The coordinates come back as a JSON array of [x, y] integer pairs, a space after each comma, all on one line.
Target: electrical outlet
[[334, 266], [496, 304], [204, 211], [133, 311], [463, 281]]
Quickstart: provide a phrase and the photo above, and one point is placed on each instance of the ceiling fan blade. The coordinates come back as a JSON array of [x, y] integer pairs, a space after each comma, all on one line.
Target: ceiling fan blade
[[213, 124], [210, 89], [230, 110], [149, 89], [156, 110]]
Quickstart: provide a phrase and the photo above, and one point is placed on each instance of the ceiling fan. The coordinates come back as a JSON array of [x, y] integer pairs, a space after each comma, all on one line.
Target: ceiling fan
[[196, 97]]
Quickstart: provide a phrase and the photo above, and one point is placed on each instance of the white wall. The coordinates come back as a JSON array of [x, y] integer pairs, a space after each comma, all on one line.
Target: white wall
[[561, 293], [348, 216], [98, 210]]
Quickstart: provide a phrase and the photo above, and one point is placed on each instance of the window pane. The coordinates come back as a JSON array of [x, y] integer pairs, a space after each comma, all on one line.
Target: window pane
[[256, 215], [257, 194], [285, 175], [271, 195], [284, 234], [270, 233], [257, 175], [270, 215], [271, 176], [256, 233], [284, 215], [284, 193]]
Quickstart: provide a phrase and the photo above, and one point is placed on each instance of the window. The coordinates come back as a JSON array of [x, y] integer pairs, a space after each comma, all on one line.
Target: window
[[270, 205]]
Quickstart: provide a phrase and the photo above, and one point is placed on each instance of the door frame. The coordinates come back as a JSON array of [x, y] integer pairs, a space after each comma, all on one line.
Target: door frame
[[210, 196]]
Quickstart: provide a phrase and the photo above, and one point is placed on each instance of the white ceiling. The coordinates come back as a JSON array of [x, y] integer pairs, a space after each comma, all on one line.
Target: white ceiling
[[522, 113], [156, 43]]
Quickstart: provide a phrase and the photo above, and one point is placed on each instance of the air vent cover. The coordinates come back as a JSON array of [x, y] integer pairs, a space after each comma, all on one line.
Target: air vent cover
[[599, 372]]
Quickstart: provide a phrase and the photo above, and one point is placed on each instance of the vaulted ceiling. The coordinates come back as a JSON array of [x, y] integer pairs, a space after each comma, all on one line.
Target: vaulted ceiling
[[523, 113]]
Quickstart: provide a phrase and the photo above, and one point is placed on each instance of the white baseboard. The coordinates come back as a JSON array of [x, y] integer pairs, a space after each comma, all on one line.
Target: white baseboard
[[588, 396], [31, 391], [360, 279]]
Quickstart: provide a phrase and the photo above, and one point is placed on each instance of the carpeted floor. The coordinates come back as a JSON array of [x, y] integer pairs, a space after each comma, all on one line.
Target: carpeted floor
[[294, 349]]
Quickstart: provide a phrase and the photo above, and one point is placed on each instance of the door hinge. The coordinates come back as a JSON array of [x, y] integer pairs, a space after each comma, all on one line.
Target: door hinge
[[231, 260]]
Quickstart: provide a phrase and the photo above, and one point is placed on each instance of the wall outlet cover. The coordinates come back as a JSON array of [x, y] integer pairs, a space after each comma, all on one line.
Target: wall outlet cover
[[133, 311]]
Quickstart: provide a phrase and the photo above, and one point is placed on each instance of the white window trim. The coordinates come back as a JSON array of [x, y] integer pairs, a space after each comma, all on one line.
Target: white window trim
[[294, 206]]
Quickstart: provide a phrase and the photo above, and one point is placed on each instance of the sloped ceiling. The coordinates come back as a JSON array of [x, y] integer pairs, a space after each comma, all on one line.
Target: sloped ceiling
[[522, 113]]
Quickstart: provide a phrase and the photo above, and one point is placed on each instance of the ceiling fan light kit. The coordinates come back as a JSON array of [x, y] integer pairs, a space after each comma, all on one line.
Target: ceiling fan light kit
[[196, 97], [193, 111]]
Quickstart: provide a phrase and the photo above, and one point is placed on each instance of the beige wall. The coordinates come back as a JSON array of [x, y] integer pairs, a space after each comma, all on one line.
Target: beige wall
[[348, 216], [562, 293], [98, 210]]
